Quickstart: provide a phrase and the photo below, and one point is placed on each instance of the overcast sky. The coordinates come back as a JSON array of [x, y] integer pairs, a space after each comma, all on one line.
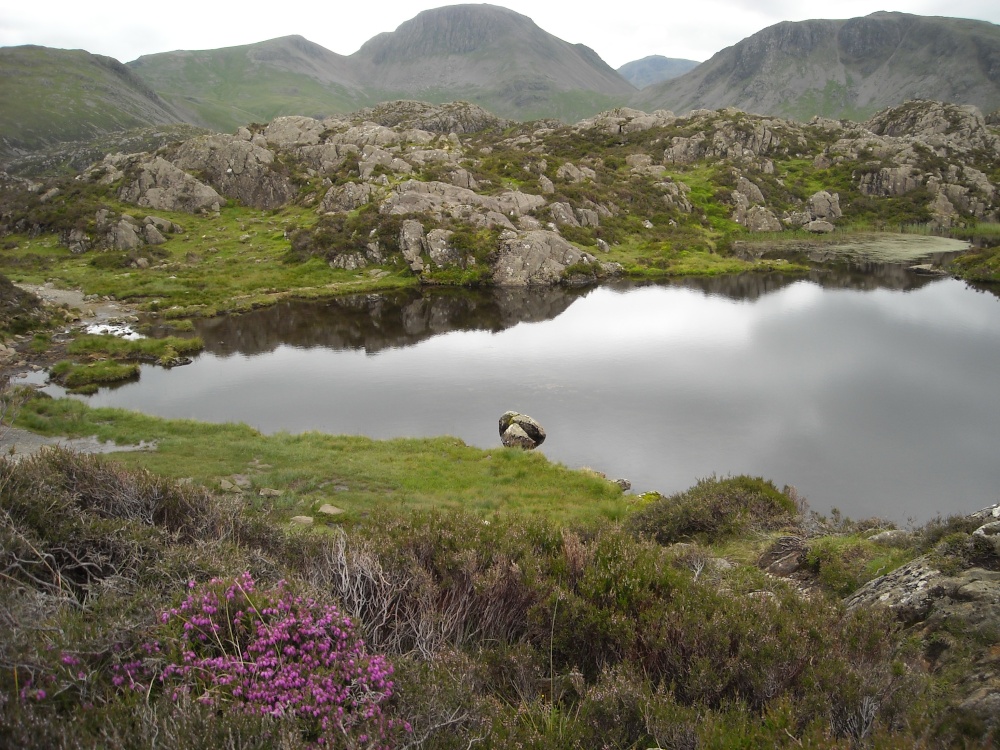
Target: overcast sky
[[620, 31]]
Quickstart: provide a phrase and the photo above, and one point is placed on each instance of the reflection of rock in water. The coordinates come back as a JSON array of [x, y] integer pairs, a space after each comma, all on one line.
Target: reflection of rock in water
[[863, 276], [374, 322]]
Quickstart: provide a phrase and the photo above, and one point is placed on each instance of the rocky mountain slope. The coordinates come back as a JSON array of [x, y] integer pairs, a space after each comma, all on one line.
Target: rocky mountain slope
[[479, 53], [846, 68], [655, 69], [51, 95], [494, 57]]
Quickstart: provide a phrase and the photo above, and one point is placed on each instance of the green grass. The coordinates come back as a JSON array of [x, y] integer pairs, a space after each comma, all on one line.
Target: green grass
[[206, 270], [133, 349], [356, 474], [84, 378]]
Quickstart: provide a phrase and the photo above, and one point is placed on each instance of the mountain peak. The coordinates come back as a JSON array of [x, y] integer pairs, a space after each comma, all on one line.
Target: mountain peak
[[451, 30]]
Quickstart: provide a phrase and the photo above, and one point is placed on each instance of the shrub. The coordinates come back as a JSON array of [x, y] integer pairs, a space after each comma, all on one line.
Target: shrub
[[269, 653], [715, 509]]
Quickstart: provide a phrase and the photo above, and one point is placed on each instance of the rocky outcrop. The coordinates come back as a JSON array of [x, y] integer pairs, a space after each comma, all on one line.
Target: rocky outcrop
[[154, 182], [239, 167], [534, 257], [347, 197], [520, 431], [441, 199], [627, 120], [953, 590], [455, 117]]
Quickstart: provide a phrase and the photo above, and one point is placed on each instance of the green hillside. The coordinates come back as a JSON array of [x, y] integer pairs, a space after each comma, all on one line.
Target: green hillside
[[51, 95]]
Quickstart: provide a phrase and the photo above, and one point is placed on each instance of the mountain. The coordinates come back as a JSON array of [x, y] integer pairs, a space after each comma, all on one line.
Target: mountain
[[494, 57], [229, 87], [843, 68], [654, 69], [52, 95]]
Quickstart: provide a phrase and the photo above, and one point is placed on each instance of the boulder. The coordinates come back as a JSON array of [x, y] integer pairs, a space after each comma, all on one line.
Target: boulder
[[346, 197], [440, 198], [571, 173], [824, 205], [562, 214], [520, 431], [438, 248], [411, 243], [588, 217], [160, 185], [784, 557], [819, 227], [152, 235], [534, 257], [124, 236]]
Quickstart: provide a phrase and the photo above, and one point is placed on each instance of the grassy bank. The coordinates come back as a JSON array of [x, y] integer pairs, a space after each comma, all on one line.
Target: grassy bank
[[356, 474]]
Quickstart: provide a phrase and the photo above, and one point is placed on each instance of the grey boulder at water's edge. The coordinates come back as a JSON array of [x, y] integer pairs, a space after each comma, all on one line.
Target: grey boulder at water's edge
[[520, 431]]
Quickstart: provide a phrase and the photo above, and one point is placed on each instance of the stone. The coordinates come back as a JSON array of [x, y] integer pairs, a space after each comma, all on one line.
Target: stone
[[411, 243], [515, 437], [160, 185], [302, 520], [891, 537], [152, 235], [535, 257], [520, 430], [165, 226], [588, 217], [442, 254], [760, 219], [824, 205], [123, 236], [603, 246], [331, 510], [988, 529], [625, 484], [270, 492], [562, 214], [78, 241], [784, 557], [346, 197], [819, 227], [571, 173]]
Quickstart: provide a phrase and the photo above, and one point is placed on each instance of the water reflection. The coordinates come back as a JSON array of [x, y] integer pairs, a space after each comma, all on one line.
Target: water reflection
[[374, 322], [876, 400]]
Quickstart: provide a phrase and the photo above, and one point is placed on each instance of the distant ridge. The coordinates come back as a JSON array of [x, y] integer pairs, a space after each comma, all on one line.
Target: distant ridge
[[51, 95], [654, 69], [228, 87], [849, 68]]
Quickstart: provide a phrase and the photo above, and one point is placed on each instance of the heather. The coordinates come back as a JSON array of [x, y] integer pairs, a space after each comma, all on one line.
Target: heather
[[140, 611]]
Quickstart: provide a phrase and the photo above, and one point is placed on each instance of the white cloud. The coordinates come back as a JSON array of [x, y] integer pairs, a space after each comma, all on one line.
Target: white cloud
[[634, 30]]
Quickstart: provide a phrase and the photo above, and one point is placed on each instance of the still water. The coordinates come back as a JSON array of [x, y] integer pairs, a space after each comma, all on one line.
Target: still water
[[873, 390]]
